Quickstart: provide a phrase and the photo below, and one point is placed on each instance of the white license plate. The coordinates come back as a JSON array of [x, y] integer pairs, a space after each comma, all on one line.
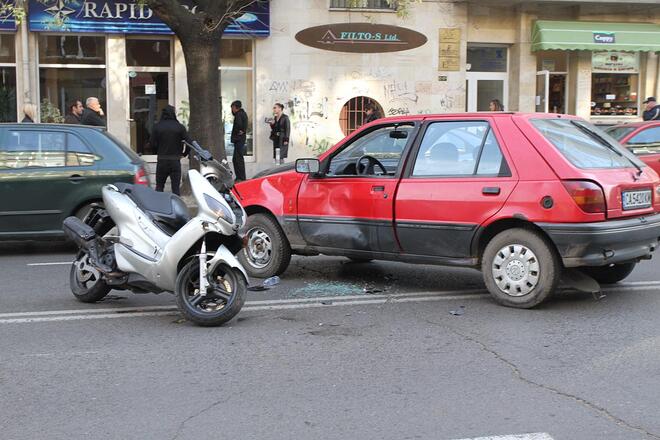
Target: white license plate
[[636, 199]]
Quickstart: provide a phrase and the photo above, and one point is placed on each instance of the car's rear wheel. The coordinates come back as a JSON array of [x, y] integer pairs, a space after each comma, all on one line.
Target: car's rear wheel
[[610, 274], [267, 252], [520, 268]]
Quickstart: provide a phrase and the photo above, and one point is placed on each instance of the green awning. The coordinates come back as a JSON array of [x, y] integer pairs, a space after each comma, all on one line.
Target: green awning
[[593, 35]]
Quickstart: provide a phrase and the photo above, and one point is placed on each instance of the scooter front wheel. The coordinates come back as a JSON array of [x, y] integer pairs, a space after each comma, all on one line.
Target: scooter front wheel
[[223, 301]]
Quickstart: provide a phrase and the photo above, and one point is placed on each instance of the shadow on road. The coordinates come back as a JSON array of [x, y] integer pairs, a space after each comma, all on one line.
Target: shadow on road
[[14, 248]]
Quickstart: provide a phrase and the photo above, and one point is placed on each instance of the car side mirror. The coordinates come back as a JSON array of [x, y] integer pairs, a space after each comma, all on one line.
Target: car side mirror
[[308, 166]]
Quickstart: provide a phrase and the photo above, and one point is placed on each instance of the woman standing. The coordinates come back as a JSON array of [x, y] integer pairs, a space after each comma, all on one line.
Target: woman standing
[[280, 131], [495, 106], [29, 112]]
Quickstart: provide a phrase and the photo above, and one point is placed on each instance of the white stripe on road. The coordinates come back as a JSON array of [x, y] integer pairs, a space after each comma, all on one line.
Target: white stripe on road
[[56, 263], [532, 436]]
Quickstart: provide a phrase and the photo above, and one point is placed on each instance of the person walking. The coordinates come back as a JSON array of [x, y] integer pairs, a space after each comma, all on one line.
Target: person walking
[[75, 112], [495, 106], [280, 132], [167, 139], [238, 138], [372, 112], [93, 114], [652, 110], [29, 113]]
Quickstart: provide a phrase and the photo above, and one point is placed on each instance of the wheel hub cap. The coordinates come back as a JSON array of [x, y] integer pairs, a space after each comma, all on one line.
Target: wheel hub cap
[[259, 248], [516, 270]]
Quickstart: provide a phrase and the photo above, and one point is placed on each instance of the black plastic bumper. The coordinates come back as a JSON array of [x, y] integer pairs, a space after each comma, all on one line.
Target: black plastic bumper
[[601, 243]]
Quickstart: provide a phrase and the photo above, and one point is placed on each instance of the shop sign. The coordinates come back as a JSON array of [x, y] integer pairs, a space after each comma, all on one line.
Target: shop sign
[[450, 49], [615, 61], [128, 17], [360, 38], [7, 19], [604, 38]]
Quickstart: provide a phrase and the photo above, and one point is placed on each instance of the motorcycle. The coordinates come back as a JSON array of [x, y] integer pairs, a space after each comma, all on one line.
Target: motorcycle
[[146, 242]]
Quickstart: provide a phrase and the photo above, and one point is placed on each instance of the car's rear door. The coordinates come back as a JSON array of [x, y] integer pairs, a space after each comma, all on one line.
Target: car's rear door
[[456, 179], [40, 181], [344, 211]]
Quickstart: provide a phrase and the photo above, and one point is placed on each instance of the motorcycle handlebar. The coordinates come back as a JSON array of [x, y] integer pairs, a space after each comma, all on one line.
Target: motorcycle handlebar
[[225, 179]]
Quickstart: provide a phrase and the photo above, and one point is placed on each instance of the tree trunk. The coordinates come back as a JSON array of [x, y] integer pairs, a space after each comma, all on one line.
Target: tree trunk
[[202, 56]]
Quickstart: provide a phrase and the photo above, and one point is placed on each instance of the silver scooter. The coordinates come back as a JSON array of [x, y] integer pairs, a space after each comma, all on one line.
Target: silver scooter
[[146, 242]]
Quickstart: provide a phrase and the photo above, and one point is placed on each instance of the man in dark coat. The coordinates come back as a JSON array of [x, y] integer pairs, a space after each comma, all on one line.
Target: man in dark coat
[[167, 139], [652, 111], [75, 112], [280, 132], [93, 114], [238, 138]]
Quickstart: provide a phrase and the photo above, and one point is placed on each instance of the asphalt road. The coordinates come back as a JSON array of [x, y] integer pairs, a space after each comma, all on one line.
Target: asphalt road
[[336, 351]]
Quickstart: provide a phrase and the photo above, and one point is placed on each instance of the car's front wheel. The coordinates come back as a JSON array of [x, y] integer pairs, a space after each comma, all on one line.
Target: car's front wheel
[[520, 268], [267, 252], [610, 274]]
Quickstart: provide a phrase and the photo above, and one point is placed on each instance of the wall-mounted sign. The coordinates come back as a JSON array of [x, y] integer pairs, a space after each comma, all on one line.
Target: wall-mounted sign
[[615, 61], [360, 38], [604, 37], [128, 16], [450, 49], [150, 89], [7, 19]]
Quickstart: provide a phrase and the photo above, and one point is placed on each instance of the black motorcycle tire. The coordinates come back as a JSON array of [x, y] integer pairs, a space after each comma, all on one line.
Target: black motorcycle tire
[[205, 318]]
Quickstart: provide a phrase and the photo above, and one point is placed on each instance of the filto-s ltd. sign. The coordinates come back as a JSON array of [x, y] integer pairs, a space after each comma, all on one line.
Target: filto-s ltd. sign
[[361, 38]]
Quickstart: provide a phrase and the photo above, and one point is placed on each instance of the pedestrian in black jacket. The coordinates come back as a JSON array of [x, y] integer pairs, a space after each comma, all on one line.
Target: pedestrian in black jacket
[[652, 111], [280, 132], [167, 139], [238, 138], [372, 113], [93, 114], [75, 112]]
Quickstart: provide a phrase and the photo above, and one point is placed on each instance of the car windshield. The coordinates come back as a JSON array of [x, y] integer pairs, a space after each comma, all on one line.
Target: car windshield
[[619, 132], [584, 145]]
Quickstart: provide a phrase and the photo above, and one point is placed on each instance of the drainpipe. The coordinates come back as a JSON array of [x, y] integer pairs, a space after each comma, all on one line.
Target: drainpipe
[[25, 48]]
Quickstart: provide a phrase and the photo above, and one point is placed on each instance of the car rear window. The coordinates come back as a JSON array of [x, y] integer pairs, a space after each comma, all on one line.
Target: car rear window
[[135, 158], [646, 142], [619, 133], [584, 145]]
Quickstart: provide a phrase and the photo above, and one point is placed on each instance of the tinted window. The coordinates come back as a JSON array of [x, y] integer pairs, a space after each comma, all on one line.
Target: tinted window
[[646, 142], [71, 49], [579, 143], [618, 133], [459, 149], [33, 149], [77, 153], [141, 52], [379, 144]]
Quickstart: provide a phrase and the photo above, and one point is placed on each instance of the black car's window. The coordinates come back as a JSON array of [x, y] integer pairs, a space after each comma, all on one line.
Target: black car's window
[[33, 149], [646, 142], [583, 147], [459, 148], [386, 144], [77, 153]]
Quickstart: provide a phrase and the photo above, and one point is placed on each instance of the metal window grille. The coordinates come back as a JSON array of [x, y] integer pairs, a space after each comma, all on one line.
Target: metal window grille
[[362, 4], [352, 114]]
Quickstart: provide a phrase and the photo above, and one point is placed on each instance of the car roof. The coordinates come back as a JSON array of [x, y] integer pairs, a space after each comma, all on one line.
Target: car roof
[[637, 124], [45, 126]]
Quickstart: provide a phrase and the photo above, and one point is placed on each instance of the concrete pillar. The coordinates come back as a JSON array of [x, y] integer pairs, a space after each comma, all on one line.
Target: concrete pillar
[[579, 77], [522, 65], [180, 77], [117, 92]]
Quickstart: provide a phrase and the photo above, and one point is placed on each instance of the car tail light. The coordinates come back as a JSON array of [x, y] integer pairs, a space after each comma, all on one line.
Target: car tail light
[[141, 177], [588, 196]]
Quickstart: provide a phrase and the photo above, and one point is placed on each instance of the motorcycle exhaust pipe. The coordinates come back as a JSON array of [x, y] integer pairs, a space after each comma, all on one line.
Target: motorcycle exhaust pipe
[[80, 233]]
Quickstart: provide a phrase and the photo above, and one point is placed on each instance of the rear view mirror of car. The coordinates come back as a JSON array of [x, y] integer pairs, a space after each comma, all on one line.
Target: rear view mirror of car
[[308, 166], [397, 134]]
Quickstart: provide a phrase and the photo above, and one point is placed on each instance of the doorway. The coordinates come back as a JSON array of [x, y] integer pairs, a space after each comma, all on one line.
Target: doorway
[[483, 87], [551, 92], [149, 94]]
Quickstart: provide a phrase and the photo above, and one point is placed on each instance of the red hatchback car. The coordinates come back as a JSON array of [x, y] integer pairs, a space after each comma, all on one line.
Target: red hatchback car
[[642, 138], [520, 196]]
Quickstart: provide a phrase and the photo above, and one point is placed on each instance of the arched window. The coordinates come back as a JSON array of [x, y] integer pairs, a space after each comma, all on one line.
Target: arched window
[[352, 114]]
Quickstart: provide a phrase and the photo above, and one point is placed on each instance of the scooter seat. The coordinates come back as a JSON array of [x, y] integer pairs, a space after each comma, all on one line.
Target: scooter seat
[[167, 210]]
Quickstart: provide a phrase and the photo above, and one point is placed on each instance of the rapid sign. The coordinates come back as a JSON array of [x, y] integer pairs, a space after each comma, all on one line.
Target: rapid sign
[[7, 19], [128, 16]]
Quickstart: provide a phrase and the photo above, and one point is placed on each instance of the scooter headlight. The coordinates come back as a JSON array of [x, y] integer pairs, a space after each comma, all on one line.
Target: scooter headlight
[[219, 209]]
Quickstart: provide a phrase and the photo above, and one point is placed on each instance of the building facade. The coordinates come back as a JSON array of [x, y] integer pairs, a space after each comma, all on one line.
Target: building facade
[[324, 61]]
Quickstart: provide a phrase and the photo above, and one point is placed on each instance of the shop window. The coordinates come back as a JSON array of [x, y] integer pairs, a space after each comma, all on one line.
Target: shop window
[[487, 58], [615, 83], [7, 78], [362, 4], [237, 84], [71, 49], [147, 52], [353, 115], [60, 86], [552, 61]]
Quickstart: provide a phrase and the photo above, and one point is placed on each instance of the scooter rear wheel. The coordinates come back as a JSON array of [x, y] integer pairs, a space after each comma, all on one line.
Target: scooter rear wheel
[[223, 301]]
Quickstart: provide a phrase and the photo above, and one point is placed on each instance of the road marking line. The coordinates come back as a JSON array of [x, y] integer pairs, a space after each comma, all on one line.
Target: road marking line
[[531, 436], [57, 263]]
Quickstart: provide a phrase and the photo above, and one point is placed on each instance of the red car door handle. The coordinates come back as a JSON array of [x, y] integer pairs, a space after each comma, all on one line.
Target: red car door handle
[[76, 178], [378, 188], [490, 190]]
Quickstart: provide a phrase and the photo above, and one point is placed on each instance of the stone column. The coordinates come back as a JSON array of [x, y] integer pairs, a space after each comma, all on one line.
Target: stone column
[[116, 88], [522, 65]]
